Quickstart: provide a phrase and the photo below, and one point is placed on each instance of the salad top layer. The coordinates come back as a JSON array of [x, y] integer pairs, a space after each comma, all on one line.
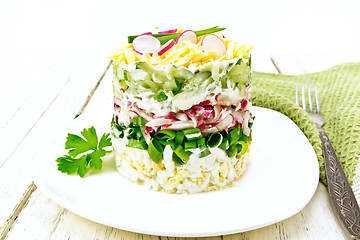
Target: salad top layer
[[184, 48]]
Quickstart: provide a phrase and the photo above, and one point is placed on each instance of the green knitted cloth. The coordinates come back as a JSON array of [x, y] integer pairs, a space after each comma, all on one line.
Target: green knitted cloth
[[339, 94]]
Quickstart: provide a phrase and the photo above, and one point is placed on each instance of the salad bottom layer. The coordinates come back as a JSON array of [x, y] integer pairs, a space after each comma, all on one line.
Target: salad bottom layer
[[210, 173]]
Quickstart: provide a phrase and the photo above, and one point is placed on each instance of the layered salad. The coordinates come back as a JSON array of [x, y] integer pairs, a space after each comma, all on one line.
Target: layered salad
[[182, 116]]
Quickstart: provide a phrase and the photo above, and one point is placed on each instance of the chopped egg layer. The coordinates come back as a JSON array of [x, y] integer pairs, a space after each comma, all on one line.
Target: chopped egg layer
[[213, 172]]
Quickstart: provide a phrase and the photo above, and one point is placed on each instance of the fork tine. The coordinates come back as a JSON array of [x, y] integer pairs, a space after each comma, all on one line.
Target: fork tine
[[317, 100], [310, 100], [297, 95], [303, 97]]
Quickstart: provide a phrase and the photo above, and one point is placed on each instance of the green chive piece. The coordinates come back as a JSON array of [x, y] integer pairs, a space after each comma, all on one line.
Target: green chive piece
[[201, 143], [177, 159], [224, 145], [181, 153], [214, 140], [231, 151], [234, 135], [165, 134], [131, 132], [167, 142], [140, 144], [179, 137], [168, 36], [204, 153], [190, 145], [241, 148], [161, 96], [155, 150], [138, 121], [192, 134]]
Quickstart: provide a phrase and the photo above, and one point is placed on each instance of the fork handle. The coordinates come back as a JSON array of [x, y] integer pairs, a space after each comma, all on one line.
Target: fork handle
[[341, 194]]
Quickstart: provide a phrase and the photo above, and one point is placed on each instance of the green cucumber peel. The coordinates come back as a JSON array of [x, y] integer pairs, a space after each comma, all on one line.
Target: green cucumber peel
[[161, 96]]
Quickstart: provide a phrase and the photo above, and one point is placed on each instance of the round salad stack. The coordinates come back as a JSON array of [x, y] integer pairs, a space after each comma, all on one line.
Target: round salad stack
[[182, 119]]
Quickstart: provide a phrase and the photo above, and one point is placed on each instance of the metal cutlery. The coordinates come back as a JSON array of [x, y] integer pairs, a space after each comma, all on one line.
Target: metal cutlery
[[341, 194]]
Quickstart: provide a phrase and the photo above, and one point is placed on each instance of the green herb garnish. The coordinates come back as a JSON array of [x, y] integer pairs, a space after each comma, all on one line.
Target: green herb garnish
[[168, 36], [77, 161]]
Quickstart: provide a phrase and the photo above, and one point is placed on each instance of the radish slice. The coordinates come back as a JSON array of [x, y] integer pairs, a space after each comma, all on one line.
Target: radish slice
[[168, 31], [166, 47], [146, 44], [188, 35], [211, 42]]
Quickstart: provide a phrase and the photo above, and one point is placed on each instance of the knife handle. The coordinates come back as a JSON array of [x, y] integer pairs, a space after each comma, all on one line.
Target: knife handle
[[341, 194]]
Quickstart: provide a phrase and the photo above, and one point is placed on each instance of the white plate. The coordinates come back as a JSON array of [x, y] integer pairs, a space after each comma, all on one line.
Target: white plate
[[281, 178]]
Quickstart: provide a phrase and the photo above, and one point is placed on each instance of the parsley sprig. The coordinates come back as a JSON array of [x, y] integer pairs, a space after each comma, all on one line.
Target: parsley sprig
[[83, 153]]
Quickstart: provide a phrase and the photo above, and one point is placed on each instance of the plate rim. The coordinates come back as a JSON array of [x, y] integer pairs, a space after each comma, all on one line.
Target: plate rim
[[67, 205]]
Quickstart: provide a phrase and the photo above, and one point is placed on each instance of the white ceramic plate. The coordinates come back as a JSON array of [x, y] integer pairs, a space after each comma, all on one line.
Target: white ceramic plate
[[281, 178]]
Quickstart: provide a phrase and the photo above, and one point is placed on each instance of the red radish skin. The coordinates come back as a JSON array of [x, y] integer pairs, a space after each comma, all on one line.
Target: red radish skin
[[166, 47], [187, 35], [147, 33], [168, 31], [212, 42], [146, 44]]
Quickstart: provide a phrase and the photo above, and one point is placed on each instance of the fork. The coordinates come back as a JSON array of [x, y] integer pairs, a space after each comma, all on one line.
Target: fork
[[341, 194]]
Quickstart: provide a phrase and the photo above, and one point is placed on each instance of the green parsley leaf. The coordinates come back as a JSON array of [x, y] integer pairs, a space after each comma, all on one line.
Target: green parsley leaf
[[77, 161], [69, 165]]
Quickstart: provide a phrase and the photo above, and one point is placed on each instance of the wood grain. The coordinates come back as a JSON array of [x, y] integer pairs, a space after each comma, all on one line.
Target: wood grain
[[15, 174]]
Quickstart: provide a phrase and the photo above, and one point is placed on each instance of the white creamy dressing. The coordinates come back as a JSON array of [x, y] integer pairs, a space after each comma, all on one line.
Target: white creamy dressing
[[218, 69]]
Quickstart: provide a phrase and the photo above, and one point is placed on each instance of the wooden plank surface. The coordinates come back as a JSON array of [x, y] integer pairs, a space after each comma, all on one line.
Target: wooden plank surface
[[15, 173], [41, 218]]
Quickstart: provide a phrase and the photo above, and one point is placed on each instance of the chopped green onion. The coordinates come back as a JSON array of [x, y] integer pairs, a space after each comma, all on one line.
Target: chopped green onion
[[161, 96], [141, 144], [231, 151], [165, 134], [234, 135], [192, 134], [138, 121], [224, 145], [181, 153], [204, 153], [241, 148], [179, 137], [155, 150], [130, 132], [138, 133], [167, 142], [201, 143], [214, 140], [190, 145], [177, 159]]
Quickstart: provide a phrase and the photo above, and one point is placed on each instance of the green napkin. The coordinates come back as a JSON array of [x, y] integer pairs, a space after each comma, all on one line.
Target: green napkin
[[339, 94]]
